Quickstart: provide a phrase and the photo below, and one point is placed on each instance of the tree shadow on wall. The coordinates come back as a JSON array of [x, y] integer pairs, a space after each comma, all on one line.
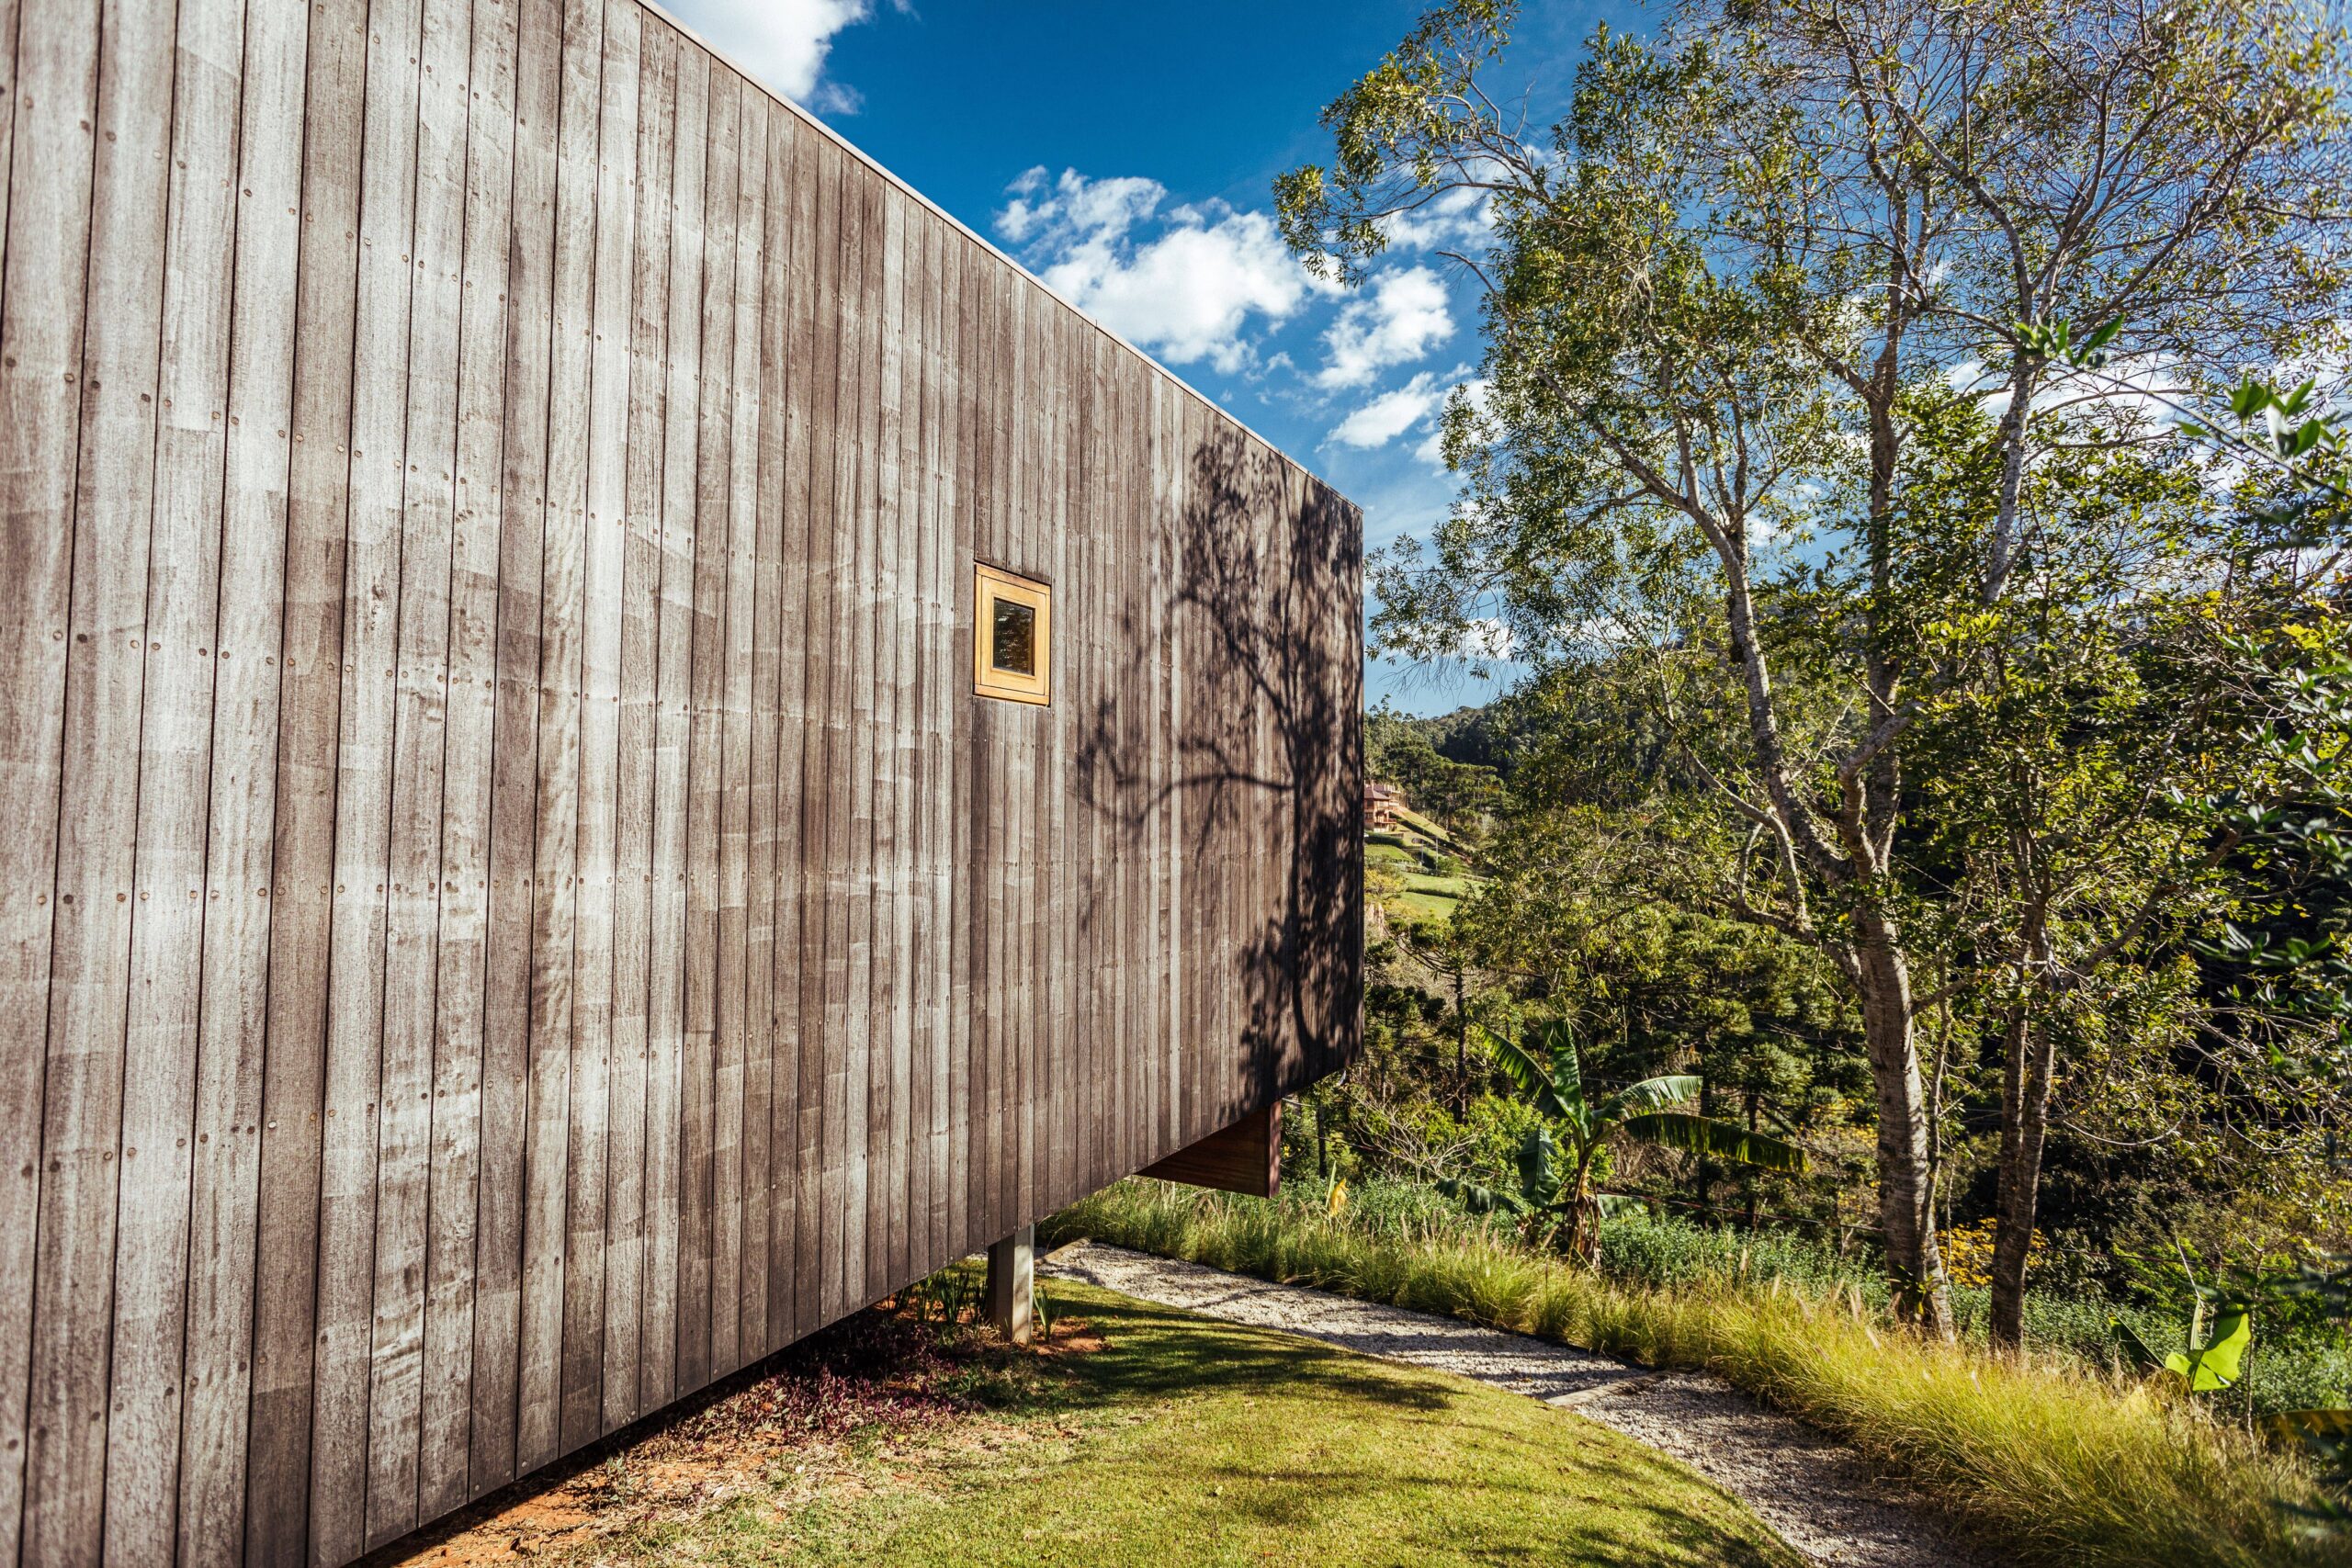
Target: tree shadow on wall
[[1260, 601]]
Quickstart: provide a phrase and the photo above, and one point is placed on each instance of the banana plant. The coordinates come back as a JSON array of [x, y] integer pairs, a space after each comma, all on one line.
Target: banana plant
[[1555, 1158], [2206, 1368], [2221, 1331]]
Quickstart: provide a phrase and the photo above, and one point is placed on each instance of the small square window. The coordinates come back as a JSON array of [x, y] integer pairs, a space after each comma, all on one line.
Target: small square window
[[1012, 648]]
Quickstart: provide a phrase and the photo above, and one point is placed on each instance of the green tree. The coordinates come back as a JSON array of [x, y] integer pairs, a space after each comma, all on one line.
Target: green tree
[[1718, 288]]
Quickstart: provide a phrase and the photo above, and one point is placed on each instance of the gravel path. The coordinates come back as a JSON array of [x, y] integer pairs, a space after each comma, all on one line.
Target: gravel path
[[1821, 1498]]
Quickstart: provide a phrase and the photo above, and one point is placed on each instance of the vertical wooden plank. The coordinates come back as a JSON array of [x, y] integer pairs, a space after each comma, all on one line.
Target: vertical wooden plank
[[595, 956], [697, 1158], [966, 792], [1231, 721], [661, 1331], [173, 763], [1110, 541], [1083, 492], [355, 1015], [862, 193], [1069, 828], [1143, 666], [994, 980], [949, 1074], [1127, 855], [1087, 511], [1168, 761], [419, 700], [843, 1134], [784, 466], [38, 429], [310, 722], [910, 1088], [912, 1084], [95, 496], [1195, 810], [937, 657], [216, 1381], [739, 482], [1105, 544], [926, 1215], [641, 615], [1020, 478], [817, 286], [760, 445], [975, 794], [992, 844], [461, 991], [1032, 471], [884, 1185], [512, 1028], [562, 633], [1091, 376], [906, 1104]]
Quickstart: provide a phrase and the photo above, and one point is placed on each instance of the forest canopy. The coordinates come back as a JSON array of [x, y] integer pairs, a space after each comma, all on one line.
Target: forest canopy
[[1906, 457]]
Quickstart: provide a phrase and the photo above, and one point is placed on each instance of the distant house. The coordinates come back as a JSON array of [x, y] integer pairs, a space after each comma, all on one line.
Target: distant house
[[1382, 805], [627, 739]]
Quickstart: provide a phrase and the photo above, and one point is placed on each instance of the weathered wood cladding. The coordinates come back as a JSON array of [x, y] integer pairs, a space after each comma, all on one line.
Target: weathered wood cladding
[[512, 909]]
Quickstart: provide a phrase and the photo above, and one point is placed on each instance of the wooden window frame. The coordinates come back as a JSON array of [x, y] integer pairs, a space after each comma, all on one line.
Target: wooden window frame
[[991, 585]]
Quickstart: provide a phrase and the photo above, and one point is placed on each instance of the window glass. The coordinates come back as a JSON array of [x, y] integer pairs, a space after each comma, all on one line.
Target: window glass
[[1014, 648]]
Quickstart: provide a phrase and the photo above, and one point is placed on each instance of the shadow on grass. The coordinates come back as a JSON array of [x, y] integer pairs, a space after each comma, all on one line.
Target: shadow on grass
[[1199, 1442], [1177, 1353], [1433, 1470]]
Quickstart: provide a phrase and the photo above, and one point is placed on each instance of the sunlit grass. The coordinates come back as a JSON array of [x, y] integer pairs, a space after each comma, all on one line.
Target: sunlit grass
[[1184, 1440], [2049, 1460]]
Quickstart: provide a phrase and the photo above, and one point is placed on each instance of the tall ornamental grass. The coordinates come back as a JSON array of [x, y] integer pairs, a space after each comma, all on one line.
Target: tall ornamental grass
[[2047, 1460]]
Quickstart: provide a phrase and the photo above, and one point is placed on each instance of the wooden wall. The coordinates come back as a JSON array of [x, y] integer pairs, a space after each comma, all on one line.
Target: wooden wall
[[509, 909]]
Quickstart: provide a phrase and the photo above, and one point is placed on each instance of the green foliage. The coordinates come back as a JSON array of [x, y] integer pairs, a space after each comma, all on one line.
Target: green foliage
[[2042, 1464], [2213, 1361], [1555, 1183], [1812, 435], [1400, 750]]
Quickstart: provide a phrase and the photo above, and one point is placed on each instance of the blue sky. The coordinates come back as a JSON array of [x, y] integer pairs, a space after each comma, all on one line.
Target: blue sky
[[1127, 154]]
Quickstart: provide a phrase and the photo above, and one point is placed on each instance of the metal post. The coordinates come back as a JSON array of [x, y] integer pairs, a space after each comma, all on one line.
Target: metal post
[[1012, 1268]]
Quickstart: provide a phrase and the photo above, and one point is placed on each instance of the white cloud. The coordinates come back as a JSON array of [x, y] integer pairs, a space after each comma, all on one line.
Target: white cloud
[[1419, 402], [782, 42], [1076, 207], [1487, 640], [1186, 293], [1405, 315], [1392, 413], [1458, 216]]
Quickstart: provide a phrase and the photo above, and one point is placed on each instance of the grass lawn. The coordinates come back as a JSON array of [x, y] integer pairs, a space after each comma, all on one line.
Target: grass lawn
[[2046, 1461], [1158, 1439], [1430, 898], [1413, 906]]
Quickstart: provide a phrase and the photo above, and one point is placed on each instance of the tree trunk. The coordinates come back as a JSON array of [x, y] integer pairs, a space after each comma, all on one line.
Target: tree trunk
[[1751, 1175], [2024, 1127], [1905, 1195], [1706, 1181], [2001, 559], [1461, 1046]]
